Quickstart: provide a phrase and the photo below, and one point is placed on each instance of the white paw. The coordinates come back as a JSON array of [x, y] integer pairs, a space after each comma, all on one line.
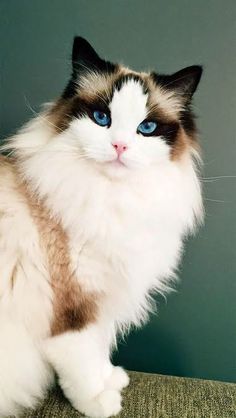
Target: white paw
[[118, 379], [106, 404]]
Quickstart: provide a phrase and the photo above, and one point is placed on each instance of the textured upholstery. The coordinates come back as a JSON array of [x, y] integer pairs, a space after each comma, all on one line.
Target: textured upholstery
[[155, 396]]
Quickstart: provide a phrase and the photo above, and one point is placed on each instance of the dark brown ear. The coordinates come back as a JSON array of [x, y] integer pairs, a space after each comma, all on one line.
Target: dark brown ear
[[85, 58], [184, 82], [83, 55]]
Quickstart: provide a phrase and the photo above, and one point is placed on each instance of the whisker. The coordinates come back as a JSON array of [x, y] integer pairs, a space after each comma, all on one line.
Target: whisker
[[216, 200], [40, 115], [218, 177]]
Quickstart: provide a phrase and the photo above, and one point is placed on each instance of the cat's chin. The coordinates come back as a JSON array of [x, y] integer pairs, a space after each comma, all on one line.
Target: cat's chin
[[113, 169], [116, 169]]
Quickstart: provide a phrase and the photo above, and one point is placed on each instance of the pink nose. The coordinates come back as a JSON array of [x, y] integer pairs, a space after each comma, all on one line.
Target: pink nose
[[120, 147]]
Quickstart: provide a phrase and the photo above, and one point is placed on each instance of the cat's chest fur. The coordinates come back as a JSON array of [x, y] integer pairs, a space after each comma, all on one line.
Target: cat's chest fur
[[127, 240], [124, 233]]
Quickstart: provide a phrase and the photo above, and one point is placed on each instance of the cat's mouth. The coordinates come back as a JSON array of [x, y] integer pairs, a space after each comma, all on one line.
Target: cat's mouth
[[117, 163], [115, 166]]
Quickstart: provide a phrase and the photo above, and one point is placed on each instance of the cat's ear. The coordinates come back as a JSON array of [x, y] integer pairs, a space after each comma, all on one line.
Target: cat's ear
[[84, 57], [184, 83], [84, 60]]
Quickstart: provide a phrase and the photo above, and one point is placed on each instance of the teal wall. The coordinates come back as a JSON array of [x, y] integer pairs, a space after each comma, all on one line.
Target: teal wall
[[195, 331]]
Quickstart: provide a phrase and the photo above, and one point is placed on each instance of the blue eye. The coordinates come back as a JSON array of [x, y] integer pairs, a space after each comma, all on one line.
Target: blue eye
[[147, 127], [101, 118]]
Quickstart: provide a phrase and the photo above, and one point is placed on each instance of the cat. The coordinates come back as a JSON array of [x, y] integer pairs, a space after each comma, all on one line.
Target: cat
[[97, 194]]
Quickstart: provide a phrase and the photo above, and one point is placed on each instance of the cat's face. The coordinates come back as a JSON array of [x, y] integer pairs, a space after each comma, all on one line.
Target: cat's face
[[120, 120]]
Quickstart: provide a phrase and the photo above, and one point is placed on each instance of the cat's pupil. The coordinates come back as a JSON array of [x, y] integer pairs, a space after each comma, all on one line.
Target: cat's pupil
[[101, 115]]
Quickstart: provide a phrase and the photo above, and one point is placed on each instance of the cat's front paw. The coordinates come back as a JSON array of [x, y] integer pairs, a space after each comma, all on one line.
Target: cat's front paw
[[118, 379], [105, 405]]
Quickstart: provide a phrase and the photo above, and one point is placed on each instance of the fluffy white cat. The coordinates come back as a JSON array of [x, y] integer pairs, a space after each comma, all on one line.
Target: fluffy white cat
[[96, 197]]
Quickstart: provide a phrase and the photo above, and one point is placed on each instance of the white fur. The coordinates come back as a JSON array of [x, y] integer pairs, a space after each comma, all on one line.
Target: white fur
[[25, 304], [126, 223], [25, 374], [87, 376]]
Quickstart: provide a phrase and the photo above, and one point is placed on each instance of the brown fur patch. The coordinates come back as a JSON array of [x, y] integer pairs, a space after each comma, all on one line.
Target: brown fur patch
[[180, 145], [60, 114], [73, 308], [166, 102]]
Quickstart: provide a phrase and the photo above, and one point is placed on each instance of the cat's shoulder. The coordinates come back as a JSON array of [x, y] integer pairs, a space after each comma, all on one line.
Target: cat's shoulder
[[6, 168], [8, 175], [11, 196]]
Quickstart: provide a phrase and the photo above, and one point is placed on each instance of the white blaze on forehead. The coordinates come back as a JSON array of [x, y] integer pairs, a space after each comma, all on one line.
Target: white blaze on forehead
[[128, 107]]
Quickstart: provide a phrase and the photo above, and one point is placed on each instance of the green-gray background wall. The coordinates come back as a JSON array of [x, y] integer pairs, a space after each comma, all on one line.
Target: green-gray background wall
[[194, 333]]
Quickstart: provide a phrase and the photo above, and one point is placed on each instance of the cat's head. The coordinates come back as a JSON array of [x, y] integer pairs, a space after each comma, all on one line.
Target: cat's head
[[119, 119]]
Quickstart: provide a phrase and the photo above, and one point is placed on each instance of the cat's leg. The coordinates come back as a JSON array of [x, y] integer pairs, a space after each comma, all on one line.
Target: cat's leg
[[80, 359], [25, 375], [116, 378]]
